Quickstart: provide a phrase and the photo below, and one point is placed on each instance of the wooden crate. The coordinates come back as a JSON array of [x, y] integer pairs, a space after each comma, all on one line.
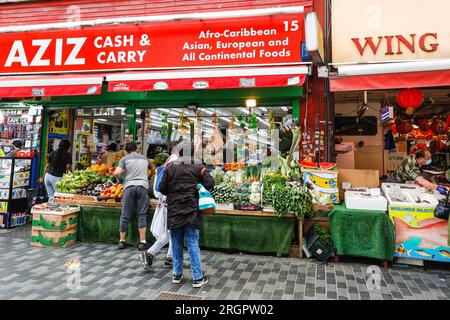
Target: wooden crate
[[53, 239]]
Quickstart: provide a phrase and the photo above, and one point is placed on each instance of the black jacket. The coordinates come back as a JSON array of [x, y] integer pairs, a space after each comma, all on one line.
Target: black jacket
[[179, 184]]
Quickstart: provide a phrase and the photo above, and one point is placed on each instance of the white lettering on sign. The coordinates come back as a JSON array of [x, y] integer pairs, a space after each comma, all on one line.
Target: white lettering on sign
[[121, 56], [17, 53], [116, 42], [72, 59], [244, 32], [43, 45]]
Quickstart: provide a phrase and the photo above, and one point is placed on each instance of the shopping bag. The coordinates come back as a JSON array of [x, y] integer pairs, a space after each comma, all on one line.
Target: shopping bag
[[206, 203], [442, 210], [159, 222], [37, 196]]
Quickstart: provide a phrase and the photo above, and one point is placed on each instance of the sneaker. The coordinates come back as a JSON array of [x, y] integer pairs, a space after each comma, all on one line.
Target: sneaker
[[122, 245], [147, 260], [168, 263], [177, 279], [143, 246], [200, 283]]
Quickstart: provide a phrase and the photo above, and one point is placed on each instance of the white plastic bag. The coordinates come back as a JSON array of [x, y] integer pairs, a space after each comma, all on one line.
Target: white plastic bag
[[159, 222]]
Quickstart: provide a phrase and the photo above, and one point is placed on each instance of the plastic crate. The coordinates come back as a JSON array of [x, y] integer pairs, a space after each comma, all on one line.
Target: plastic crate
[[310, 238], [315, 247], [322, 252]]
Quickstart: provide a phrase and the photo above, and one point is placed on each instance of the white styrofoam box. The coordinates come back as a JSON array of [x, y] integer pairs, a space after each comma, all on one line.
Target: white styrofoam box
[[409, 195], [404, 187], [423, 199], [365, 201]]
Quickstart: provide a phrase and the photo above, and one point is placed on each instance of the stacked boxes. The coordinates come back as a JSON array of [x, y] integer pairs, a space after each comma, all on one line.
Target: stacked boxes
[[54, 225]]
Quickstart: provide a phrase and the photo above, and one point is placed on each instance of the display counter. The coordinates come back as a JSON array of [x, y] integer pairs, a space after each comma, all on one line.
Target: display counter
[[246, 231], [362, 233]]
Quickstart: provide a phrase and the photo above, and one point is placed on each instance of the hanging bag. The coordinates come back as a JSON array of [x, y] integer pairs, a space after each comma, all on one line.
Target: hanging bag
[[206, 203], [159, 222]]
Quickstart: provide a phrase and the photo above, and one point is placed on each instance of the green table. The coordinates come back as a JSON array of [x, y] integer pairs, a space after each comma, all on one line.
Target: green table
[[362, 233], [252, 234]]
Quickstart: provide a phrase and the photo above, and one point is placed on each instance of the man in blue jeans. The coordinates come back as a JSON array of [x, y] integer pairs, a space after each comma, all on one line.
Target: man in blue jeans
[[135, 193], [184, 220]]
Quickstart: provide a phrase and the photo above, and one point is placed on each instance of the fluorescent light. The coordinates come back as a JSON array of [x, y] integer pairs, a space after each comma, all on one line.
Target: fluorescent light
[[101, 120], [244, 110], [284, 109], [263, 109], [250, 103], [207, 111], [225, 119]]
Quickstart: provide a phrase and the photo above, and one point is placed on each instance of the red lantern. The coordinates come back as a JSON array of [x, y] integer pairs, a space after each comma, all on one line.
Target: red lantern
[[439, 127], [423, 124], [448, 120], [437, 146], [403, 127], [410, 99]]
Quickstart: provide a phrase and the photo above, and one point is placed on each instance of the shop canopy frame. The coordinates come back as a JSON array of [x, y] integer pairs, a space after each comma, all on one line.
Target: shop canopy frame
[[200, 79], [51, 85], [398, 75]]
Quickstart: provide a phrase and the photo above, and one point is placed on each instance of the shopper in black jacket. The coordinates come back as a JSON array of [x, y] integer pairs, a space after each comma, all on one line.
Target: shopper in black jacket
[[179, 184]]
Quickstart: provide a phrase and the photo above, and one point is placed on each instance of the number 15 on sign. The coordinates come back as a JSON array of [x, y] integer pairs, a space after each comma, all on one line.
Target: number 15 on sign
[[291, 25]]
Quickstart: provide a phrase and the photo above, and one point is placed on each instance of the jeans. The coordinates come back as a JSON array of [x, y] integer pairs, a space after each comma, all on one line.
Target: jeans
[[192, 238], [134, 195], [50, 185], [157, 246]]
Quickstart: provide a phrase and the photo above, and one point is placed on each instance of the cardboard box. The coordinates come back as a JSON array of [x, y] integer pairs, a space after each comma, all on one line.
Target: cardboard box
[[54, 222], [54, 239]]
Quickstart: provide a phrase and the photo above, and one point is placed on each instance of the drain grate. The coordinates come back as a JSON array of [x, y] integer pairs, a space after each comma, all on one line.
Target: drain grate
[[176, 296]]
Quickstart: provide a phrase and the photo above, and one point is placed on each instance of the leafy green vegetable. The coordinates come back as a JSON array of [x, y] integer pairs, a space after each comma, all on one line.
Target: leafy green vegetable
[[324, 234]]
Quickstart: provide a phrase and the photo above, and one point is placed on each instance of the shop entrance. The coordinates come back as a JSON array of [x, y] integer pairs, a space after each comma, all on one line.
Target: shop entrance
[[91, 130], [375, 133], [159, 129]]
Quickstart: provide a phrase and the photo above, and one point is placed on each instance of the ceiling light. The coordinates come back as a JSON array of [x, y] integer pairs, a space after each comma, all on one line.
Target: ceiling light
[[263, 109], [250, 103], [225, 119], [284, 108]]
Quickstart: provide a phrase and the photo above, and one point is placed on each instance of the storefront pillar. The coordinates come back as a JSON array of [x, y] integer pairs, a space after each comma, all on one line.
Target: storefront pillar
[[130, 112]]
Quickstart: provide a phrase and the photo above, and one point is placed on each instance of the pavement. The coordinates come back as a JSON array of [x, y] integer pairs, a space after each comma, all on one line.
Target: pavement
[[106, 273]]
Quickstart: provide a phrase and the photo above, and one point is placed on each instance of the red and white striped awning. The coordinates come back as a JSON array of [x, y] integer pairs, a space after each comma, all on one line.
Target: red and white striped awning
[[261, 77], [51, 85]]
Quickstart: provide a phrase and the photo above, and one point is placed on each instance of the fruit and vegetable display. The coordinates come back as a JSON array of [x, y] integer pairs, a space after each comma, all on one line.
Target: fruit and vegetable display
[[217, 175], [291, 198], [270, 181], [224, 192], [86, 182], [248, 196], [252, 172], [114, 191], [71, 182]]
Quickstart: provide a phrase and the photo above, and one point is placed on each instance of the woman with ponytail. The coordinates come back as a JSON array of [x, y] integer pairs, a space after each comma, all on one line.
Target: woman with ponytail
[[58, 163]]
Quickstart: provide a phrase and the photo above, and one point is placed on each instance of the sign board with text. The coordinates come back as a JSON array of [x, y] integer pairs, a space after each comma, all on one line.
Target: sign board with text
[[367, 31], [267, 40]]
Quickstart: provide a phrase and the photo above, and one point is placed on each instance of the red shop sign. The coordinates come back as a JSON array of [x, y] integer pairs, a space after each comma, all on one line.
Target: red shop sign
[[268, 40]]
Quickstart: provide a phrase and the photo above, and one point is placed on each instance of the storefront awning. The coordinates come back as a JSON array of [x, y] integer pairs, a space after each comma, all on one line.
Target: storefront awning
[[43, 86], [207, 79], [421, 79]]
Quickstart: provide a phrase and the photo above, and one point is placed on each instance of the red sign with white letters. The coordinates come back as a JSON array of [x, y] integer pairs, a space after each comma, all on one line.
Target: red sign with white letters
[[267, 40]]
